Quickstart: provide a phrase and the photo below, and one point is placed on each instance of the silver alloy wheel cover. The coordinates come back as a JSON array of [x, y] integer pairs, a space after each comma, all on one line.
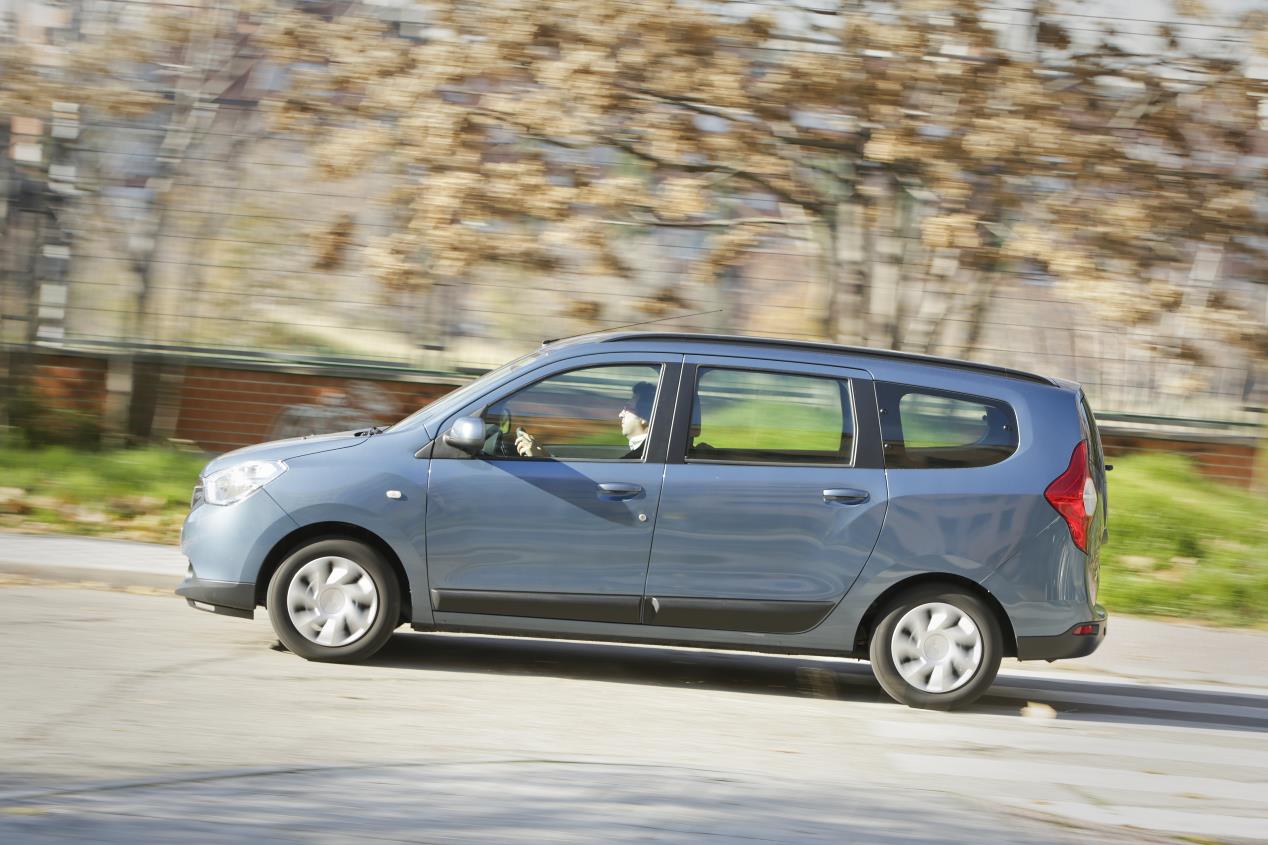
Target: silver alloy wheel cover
[[936, 647], [332, 601]]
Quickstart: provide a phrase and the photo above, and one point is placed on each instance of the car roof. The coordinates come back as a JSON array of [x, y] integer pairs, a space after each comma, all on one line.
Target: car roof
[[815, 346]]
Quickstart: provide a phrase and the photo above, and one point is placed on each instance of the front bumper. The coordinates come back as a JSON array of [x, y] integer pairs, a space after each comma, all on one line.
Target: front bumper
[[1068, 645], [225, 546], [230, 598], [228, 543]]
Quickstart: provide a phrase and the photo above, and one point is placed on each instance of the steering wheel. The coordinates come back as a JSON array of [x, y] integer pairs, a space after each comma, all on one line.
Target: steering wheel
[[501, 440]]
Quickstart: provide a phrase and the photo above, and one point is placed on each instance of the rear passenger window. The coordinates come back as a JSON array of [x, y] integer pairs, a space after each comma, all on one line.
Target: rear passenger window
[[747, 416], [924, 428]]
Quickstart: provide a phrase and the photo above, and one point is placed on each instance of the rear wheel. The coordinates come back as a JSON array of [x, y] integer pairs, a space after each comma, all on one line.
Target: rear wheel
[[335, 600], [937, 648]]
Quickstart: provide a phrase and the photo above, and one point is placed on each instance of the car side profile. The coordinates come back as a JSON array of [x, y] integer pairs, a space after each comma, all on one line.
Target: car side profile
[[929, 515]]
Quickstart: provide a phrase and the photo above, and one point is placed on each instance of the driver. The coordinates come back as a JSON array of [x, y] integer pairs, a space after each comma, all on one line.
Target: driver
[[635, 420]]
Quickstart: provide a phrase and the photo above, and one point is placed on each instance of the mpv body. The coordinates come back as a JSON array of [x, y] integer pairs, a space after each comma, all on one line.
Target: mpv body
[[929, 515]]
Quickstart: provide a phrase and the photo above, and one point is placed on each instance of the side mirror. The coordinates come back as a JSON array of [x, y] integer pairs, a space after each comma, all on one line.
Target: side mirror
[[466, 434]]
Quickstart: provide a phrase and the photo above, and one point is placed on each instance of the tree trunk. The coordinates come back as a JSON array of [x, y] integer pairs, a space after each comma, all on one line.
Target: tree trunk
[[934, 332], [848, 279], [978, 310], [24, 237], [207, 75], [906, 231], [146, 370], [115, 422], [169, 379], [1259, 463], [826, 233], [863, 277], [977, 315]]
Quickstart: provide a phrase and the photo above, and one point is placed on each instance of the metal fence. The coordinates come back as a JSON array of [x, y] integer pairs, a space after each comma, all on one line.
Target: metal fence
[[251, 257], [235, 263]]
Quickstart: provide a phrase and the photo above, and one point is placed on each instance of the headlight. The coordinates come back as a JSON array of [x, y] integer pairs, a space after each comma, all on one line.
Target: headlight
[[237, 482]]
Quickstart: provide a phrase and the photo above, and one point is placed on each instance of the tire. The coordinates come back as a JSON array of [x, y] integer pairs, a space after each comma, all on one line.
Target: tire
[[921, 669], [334, 600]]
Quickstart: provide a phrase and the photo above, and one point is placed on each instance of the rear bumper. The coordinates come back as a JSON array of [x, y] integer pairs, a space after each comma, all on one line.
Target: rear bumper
[[227, 597], [1068, 645]]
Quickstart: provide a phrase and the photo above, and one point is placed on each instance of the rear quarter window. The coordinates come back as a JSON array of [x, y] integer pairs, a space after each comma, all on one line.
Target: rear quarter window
[[924, 428]]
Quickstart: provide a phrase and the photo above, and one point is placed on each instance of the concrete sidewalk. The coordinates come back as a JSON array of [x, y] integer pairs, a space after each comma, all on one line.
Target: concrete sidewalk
[[1135, 649], [117, 563]]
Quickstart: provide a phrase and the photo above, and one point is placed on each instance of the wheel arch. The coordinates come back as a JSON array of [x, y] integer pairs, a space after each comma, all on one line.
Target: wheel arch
[[872, 617], [285, 547]]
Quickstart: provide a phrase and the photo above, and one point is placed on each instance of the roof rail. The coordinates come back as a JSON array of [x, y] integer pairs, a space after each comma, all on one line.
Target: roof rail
[[830, 347]]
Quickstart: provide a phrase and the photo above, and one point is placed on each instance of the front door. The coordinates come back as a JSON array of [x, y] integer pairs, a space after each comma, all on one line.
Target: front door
[[555, 518], [774, 496]]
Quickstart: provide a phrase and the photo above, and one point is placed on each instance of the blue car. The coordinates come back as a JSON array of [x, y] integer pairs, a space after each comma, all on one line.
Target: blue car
[[927, 514]]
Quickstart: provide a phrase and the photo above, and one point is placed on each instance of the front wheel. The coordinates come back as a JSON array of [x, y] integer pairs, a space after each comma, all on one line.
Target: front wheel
[[334, 600], [937, 648]]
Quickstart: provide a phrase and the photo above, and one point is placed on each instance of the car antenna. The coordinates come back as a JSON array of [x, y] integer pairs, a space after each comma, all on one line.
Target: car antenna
[[632, 325]]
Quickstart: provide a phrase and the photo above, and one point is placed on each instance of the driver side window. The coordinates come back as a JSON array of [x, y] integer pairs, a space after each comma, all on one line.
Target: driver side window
[[595, 413]]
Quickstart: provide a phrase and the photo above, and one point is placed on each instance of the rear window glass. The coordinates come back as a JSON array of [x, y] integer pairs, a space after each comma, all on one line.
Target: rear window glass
[[924, 428], [762, 417]]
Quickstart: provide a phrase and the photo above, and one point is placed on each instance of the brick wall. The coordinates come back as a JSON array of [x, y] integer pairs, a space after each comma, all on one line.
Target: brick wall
[[1231, 460], [222, 408], [71, 383]]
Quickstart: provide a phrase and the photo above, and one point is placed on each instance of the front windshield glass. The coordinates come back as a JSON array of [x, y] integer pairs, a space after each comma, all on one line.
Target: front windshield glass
[[457, 398]]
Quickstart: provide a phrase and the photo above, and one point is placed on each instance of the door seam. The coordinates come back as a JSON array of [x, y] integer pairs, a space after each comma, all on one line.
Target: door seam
[[660, 497]]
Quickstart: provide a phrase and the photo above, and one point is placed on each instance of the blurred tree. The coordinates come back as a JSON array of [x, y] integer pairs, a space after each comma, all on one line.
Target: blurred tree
[[921, 152], [195, 62], [927, 152], [154, 81]]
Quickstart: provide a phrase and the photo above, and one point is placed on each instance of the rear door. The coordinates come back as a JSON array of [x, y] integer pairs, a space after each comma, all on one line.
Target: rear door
[[773, 497]]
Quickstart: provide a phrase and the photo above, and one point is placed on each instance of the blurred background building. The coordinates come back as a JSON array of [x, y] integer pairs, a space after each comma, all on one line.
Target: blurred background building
[[191, 249]]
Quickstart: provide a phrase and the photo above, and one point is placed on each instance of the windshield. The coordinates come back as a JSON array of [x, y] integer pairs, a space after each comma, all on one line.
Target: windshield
[[457, 398]]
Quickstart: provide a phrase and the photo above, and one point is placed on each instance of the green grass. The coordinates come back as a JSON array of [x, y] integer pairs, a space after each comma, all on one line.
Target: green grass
[[1184, 546], [130, 493], [765, 424]]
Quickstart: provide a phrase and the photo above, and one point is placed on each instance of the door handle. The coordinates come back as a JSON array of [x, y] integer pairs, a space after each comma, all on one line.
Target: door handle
[[846, 496], [617, 491]]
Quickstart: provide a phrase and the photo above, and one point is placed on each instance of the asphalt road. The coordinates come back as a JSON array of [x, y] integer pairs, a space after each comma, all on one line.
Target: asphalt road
[[128, 718]]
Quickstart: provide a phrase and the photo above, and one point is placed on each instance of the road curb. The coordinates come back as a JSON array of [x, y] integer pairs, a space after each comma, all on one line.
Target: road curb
[[110, 577], [72, 558]]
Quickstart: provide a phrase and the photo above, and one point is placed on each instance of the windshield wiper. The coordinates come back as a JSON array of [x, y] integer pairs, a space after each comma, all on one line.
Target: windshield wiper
[[371, 431]]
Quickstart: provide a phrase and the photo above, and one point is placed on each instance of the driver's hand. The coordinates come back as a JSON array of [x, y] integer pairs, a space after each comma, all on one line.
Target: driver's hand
[[527, 446]]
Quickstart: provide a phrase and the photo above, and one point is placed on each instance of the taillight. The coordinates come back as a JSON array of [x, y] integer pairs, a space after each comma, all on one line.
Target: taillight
[[1073, 494]]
